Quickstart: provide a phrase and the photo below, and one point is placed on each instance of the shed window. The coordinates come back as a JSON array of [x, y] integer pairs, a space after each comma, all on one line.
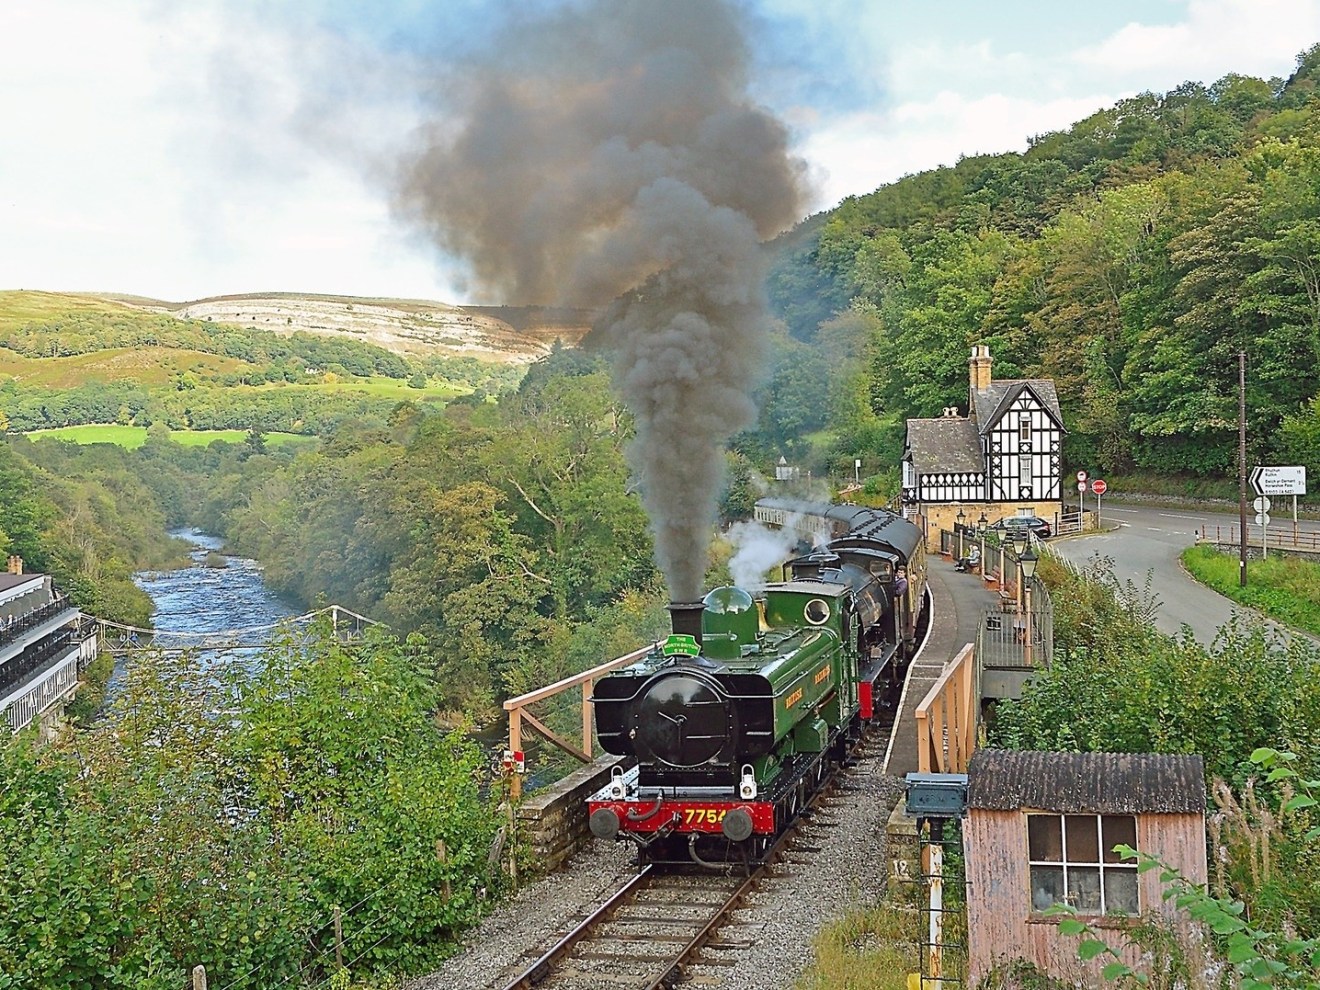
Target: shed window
[[1073, 862]]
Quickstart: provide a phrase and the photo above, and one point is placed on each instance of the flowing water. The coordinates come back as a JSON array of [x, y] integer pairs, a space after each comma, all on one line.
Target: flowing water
[[202, 599]]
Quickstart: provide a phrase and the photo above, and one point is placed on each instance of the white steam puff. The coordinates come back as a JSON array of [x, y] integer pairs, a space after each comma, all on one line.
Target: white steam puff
[[607, 150], [756, 550]]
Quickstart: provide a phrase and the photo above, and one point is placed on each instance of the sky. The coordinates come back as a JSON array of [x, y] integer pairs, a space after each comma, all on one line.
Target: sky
[[179, 151]]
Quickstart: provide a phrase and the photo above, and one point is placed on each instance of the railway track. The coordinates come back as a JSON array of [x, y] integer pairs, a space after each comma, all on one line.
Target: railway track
[[662, 924]]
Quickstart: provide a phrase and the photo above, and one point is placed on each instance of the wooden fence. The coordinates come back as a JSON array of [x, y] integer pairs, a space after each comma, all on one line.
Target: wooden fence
[[947, 717], [519, 713]]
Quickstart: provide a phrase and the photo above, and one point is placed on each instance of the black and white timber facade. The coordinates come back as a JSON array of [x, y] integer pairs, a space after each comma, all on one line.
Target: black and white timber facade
[[1003, 458]]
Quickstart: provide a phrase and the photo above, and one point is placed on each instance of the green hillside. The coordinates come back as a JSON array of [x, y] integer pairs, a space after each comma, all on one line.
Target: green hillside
[[1129, 258], [73, 360]]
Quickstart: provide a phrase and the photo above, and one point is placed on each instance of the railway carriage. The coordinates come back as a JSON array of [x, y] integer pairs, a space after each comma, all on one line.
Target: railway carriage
[[734, 720]]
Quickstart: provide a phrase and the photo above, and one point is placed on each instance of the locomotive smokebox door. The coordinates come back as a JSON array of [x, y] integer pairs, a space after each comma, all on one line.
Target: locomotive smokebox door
[[936, 795]]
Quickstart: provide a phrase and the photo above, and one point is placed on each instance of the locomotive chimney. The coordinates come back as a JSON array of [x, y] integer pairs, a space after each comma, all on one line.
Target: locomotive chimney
[[686, 618]]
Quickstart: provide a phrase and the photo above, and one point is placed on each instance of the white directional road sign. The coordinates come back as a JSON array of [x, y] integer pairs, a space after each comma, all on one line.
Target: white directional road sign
[[1262, 504], [1279, 480], [1262, 518]]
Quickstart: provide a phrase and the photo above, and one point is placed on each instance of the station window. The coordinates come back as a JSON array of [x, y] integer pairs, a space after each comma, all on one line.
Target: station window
[[1073, 862]]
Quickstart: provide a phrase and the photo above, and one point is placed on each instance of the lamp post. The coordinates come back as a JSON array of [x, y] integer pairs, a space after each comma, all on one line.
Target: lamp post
[[958, 525], [981, 524], [1029, 562], [1019, 548]]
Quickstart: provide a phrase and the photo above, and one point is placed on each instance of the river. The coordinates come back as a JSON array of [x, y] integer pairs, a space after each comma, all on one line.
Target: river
[[201, 599]]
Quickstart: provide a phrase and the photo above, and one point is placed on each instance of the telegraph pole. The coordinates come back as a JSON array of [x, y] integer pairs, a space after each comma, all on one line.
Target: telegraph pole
[[1242, 468]]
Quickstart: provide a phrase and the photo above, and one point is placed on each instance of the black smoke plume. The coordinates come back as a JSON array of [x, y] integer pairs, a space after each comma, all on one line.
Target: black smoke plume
[[607, 151]]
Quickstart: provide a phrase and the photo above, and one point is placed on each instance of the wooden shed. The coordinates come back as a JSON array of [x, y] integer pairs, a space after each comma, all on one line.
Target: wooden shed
[[1040, 829]]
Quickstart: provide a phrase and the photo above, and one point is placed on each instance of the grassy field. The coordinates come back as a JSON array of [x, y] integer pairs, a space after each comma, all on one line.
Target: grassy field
[[147, 366], [132, 437], [1287, 589]]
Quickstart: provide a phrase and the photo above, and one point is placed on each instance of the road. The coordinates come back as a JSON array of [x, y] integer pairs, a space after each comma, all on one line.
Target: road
[[1150, 541]]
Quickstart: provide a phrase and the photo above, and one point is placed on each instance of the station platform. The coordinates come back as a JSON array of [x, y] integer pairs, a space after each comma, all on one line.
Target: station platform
[[958, 601]]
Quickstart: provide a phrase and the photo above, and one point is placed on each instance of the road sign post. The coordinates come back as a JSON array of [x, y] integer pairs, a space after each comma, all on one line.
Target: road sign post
[[1262, 507], [1279, 480], [1099, 487]]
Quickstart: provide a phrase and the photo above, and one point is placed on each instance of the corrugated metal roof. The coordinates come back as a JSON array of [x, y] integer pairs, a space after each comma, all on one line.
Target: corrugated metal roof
[[944, 445], [1098, 783]]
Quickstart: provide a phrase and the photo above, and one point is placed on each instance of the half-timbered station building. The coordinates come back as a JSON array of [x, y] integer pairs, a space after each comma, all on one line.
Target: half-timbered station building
[[1000, 459], [42, 649], [1041, 829]]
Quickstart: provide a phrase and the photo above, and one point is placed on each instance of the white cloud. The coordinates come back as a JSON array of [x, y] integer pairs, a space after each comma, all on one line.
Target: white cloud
[[182, 150], [178, 158], [868, 150], [1251, 37]]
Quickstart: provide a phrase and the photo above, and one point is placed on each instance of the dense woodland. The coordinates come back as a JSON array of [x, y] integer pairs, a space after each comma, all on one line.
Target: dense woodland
[[500, 535], [1128, 258]]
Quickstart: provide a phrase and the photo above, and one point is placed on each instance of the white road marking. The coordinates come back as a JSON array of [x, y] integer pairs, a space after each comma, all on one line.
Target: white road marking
[[1154, 530], [1122, 510], [1176, 515]]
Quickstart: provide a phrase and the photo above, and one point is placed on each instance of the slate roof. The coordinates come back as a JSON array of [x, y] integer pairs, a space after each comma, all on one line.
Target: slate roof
[[946, 444], [990, 404], [1095, 783], [8, 581]]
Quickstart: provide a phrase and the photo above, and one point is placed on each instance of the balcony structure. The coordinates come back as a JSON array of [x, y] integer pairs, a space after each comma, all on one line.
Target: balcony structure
[[42, 649]]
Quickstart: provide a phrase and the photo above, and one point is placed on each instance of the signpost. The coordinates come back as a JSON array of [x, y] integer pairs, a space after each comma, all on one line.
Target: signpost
[[1081, 492], [1099, 487], [1280, 480], [1262, 507]]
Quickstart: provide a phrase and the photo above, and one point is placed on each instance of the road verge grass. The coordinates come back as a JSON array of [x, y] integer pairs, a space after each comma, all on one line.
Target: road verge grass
[[1286, 589]]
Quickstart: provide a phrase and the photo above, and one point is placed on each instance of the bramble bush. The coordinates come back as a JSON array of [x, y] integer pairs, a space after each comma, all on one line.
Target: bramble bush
[[219, 817], [1118, 685]]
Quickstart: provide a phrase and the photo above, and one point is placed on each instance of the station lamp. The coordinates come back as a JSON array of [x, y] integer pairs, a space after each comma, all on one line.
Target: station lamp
[[1029, 561]]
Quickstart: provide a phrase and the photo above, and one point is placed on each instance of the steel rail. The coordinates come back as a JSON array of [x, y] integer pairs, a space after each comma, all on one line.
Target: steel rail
[[664, 980], [544, 966], [538, 970]]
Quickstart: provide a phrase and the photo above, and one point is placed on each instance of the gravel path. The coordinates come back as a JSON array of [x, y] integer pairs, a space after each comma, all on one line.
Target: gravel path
[[767, 947]]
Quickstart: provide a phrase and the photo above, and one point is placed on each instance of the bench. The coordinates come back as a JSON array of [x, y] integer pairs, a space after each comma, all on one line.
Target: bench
[[1007, 599]]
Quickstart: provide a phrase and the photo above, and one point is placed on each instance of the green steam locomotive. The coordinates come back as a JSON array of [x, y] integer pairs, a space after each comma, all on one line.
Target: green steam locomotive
[[734, 719]]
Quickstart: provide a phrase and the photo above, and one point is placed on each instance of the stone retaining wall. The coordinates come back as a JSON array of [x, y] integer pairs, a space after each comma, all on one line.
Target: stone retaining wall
[[553, 821]]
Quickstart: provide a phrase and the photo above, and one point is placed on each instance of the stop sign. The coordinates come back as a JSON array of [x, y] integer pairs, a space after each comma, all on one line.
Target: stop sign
[[1098, 486]]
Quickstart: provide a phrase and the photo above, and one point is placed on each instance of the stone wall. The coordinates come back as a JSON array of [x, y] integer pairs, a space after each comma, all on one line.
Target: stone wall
[[553, 821]]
